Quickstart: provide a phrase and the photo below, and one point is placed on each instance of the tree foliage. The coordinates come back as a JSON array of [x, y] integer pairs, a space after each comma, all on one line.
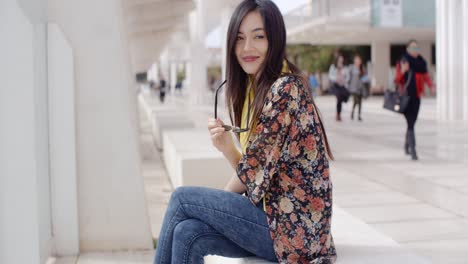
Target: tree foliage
[[312, 58]]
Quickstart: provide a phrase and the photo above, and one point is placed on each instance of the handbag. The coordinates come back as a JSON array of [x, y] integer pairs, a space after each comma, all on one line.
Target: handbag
[[396, 102], [340, 92], [365, 90]]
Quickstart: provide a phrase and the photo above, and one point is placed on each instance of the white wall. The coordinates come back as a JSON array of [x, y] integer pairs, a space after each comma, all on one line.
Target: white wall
[[24, 202], [42, 139], [112, 206], [62, 143]]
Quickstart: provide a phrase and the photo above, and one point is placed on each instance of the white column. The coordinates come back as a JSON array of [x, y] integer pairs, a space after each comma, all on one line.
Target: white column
[[441, 59], [112, 207], [153, 72], [380, 64], [62, 143], [198, 84], [20, 239], [454, 84], [452, 59], [164, 66], [464, 32]]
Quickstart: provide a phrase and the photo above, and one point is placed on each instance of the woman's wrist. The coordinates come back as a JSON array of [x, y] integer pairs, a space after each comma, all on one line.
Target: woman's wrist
[[233, 155], [230, 151]]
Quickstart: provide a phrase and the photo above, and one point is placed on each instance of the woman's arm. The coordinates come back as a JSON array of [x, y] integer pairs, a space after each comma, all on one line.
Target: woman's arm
[[233, 155], [223, 141], [234, 185], [258, 166]]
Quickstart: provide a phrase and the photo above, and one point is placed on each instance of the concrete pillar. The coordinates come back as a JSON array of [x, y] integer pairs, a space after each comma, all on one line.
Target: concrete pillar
[[380, 65], [62, 142], [20, 160], [153, 72], [164, 66], [112, 207], [442, 60], [197, 78], [451, 60], [464, 32]]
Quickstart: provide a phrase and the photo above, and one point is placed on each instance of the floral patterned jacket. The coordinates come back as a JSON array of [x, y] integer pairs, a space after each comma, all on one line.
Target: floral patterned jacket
[[286, 162]]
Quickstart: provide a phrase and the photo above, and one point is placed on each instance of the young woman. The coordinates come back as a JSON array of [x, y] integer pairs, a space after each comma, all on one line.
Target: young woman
[[411, 73], [339, 77], [282, 167], [358, 78]]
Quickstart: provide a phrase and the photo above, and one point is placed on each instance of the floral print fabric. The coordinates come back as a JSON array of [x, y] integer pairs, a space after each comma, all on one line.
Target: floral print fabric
[[285, 162]]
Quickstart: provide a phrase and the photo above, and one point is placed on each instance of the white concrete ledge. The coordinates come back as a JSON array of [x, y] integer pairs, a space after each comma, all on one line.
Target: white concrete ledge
[[166, 122], [356, 243], [191, 160], [164, 117]]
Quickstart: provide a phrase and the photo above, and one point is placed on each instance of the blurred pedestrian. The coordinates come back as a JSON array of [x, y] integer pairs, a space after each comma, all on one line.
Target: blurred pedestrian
[[178, 86], [412, 75], [339, 78], [314, 83], [357, 82], [162, 89]]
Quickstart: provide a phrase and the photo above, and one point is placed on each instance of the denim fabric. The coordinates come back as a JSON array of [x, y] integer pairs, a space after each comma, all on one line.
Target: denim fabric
[[202, 221]]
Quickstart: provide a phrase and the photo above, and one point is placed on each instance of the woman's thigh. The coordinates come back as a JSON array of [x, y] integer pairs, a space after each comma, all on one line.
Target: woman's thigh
[[230, 214]]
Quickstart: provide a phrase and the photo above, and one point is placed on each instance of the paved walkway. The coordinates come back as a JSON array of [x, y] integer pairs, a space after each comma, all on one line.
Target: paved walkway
[[421, 205]]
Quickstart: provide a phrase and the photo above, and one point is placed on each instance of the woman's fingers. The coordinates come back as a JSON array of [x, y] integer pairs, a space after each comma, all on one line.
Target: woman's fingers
[[213, 123], [216, 136], [217, 130]]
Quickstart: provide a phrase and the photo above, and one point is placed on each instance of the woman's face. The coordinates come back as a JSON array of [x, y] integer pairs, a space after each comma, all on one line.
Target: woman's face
[[413, 49], [357, 61], [340, 62], [252, 43]]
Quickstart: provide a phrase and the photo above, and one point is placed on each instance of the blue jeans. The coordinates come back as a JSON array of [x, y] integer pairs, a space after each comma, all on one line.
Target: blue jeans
[[202, 221]]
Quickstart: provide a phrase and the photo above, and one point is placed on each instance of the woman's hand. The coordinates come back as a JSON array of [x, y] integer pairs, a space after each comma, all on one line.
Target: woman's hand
[[220, 138]]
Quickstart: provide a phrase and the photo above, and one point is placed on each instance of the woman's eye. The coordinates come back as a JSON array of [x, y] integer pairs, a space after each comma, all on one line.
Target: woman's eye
[[239, 38], [259, 37]]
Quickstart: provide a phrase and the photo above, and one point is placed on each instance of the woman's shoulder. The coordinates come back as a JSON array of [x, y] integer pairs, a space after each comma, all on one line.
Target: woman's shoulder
[[288, 80]]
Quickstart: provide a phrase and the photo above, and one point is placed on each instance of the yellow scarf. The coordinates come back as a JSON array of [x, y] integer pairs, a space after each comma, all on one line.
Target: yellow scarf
[[244, 136]]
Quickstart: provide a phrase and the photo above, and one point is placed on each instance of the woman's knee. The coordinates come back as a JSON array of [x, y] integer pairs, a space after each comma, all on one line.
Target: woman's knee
[[190, 228], [181, 192]]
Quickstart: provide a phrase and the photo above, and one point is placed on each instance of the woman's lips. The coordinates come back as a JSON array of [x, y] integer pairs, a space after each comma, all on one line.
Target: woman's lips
[[250, 58]]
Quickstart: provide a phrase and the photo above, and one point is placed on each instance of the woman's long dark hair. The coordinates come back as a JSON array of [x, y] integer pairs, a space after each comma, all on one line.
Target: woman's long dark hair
[[362, 70], [269, 71], [337, 58]]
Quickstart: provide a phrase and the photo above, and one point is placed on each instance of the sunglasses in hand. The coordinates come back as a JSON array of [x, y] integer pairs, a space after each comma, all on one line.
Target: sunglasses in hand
[[227, 127]]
